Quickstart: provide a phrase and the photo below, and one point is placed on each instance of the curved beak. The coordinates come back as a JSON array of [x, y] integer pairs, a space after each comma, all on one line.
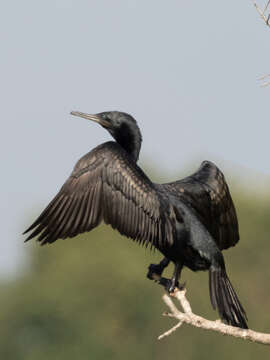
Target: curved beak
[[94, 117]]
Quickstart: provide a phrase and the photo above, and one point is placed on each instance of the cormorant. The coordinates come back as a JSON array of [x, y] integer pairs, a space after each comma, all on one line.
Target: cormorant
[[189, 221]]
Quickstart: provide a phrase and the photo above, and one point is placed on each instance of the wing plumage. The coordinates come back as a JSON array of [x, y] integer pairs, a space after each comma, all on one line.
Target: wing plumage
[[207, 192], [106, 185]]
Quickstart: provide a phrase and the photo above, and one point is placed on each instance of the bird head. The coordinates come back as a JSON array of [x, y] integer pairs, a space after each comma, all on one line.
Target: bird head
[[122, 127]]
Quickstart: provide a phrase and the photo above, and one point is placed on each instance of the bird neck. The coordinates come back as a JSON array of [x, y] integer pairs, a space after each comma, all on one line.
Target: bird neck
[[130, 138]]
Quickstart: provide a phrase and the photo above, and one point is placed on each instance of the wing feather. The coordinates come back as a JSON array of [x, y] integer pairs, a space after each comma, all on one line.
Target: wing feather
[[106, 184], [207, 192]]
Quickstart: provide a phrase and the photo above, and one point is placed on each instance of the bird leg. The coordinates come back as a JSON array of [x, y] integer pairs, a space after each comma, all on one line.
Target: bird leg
[[155, 272], [157, 268], [171, 284]]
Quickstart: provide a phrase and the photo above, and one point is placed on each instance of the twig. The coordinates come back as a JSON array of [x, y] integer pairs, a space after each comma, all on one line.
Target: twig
[[266, 83], [264, 76], [266, 6], [187, 316], [169, 332], [265, 18]]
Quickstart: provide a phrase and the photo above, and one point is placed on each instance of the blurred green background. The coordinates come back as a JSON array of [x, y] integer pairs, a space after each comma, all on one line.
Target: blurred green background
[[89, 297]]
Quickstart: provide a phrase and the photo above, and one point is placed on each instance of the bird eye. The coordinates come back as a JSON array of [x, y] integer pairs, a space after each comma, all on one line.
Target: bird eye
[[104, 116]]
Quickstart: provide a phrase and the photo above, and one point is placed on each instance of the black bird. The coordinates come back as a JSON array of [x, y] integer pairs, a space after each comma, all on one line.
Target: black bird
[[189, 221]]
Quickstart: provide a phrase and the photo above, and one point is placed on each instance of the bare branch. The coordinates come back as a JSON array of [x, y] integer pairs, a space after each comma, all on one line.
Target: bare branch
[[187, 316], [169, 332], [264, 76], [266, 6], [262, 14], [264, 83], [266, 19]]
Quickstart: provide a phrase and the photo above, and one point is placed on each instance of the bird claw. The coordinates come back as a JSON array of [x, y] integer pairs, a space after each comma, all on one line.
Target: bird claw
[[171, 286], [168, 284]]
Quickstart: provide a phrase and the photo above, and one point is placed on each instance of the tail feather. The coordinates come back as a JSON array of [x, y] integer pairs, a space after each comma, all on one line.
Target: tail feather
[[224, 299]]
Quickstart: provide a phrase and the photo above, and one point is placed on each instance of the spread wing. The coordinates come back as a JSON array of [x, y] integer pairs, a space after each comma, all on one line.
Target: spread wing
[[207, 192], [106, 185]]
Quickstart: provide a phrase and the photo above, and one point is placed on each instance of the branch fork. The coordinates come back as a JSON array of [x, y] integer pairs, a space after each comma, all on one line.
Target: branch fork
[[262, 13]]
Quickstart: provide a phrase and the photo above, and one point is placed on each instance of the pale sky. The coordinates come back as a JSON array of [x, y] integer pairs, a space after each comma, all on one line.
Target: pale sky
[[186, 70]]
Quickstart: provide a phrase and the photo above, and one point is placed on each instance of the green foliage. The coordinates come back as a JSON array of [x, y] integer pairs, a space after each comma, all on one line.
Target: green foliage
[[89, 298]]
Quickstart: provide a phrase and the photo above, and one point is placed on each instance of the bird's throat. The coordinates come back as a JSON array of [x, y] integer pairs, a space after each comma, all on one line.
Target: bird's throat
[[130, 139]]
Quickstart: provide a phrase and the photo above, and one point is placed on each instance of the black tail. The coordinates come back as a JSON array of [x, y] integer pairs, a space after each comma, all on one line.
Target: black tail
[[224, 298]]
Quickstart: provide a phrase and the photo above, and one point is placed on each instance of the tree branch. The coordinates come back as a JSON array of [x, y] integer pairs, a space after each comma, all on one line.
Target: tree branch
[[265, 18], [187, 316], [262, 79]]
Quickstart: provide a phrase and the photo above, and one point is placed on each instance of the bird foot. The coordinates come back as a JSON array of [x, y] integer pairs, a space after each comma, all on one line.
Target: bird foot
[[170, 285], [154, 269]]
